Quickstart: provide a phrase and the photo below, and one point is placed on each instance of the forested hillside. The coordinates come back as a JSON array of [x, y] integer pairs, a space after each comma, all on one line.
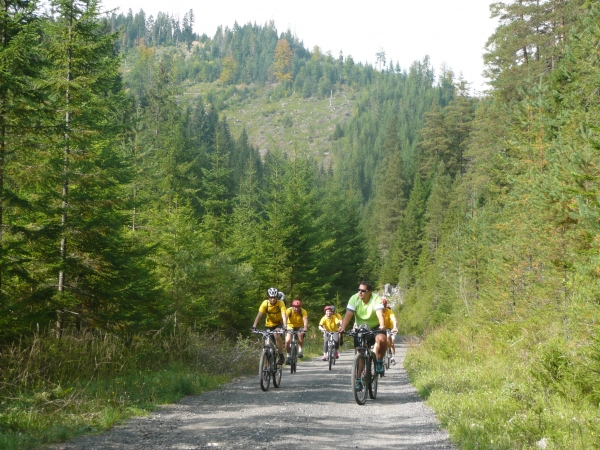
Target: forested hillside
[[153, 180], [130, 206]]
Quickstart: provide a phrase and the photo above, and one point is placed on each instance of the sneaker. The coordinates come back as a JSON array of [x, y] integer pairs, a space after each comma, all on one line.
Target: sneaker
[[379, 367], [337, 355], [281, 359], [300, 355], [358, 385], [324, 358], [288, 361], [393, 360]]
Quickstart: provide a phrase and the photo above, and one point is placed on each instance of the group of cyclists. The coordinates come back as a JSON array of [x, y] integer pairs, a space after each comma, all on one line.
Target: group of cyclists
[[367, 307]]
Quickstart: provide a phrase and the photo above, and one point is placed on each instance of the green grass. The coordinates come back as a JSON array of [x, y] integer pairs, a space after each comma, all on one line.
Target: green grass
[[86, 383], [494, 394]]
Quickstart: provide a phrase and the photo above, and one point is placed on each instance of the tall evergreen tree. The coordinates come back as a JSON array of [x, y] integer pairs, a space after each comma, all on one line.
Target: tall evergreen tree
[[85, 173]]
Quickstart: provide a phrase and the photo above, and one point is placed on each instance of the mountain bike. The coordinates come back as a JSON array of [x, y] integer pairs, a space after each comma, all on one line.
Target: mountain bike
[[294, 349], [330, 347], [388, 352], [364, 376], [267, 366]]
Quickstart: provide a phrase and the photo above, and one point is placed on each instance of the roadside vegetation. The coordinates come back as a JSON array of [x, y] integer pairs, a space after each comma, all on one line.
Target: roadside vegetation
[[53, 390]]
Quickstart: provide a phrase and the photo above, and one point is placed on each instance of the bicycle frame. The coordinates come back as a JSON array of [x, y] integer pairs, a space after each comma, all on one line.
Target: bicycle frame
[[363, 370], [268, 367], [294, 349], [330, 348]]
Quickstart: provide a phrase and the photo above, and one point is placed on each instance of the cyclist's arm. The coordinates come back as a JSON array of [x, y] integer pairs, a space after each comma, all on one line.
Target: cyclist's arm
[[394, 323], [381, 318], [346, 320], [305, 319], [283, 316], [258, 316]]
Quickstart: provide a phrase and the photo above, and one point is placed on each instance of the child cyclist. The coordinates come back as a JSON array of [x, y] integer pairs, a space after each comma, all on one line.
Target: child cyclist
[[330, 323]]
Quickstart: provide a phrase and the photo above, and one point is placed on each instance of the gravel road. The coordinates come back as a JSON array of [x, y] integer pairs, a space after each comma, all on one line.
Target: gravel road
[[313, 408]]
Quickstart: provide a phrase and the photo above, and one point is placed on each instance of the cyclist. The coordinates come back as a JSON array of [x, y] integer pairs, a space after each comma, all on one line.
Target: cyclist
[[274, 308], [336, 314], [329, 322], [391, 324], [297, 318], [366, 305]]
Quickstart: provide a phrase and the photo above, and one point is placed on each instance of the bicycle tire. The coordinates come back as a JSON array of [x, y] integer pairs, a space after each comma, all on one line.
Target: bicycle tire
[[334, 358], [331, 357], [388, 358], [277, 375], [264, 371], [373, 378], [293, 357], [359, 396]]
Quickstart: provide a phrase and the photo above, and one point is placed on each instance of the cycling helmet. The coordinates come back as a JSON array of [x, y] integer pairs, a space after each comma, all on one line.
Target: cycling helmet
[[297, 303], [272, 292], [332, 308], [328, 307]]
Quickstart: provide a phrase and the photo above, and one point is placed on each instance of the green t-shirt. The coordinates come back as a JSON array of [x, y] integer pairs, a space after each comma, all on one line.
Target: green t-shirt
[[365, 313]]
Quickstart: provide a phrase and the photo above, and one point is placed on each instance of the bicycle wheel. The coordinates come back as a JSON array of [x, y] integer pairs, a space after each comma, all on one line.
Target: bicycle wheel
[[360, 395], [278, 369], [388, 358], [373, 377], [331, 356], [264, 371], [293, 357]]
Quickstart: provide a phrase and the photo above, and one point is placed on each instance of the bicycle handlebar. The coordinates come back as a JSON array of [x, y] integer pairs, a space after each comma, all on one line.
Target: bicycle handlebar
[[265, 332], [363, 333]]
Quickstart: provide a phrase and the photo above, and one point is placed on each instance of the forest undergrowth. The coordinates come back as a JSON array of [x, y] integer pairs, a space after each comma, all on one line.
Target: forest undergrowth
[[55, 389]]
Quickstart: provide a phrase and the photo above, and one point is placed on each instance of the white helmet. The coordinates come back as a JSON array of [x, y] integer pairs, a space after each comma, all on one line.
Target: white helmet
[[272, 292]]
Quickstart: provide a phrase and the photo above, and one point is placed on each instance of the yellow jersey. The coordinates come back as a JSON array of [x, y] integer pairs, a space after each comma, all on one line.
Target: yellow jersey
[[329, 323], [273, 312], [295, 320], [387, 315]]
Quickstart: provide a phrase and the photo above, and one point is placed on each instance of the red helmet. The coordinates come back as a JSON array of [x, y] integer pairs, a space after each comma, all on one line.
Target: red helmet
[[327, 307], [297, 303], [384, 301]]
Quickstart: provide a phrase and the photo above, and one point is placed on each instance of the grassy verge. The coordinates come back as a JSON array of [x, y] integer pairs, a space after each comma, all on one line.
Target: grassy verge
[[496, 393], [53, 390]]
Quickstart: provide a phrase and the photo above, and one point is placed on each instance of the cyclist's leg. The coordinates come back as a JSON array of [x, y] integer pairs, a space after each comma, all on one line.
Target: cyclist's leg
[[380, 349], [278, 344], [325, 345], [300, 343], [380, 345], [288, 340]]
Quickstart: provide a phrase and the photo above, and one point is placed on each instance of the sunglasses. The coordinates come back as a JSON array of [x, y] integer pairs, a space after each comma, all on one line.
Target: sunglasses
[[363, 290]]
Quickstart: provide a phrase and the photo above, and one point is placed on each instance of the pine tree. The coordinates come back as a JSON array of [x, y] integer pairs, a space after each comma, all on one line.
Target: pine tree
[[20, 66], [84, 172]]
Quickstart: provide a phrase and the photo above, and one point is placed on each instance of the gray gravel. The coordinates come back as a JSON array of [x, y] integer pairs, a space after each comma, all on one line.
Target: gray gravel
[[313, 408]]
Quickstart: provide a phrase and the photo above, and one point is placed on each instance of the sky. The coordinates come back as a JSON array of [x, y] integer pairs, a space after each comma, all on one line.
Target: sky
[[451, 32]]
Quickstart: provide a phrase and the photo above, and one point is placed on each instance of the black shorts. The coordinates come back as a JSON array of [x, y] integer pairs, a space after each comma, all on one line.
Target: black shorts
[[370, 339]]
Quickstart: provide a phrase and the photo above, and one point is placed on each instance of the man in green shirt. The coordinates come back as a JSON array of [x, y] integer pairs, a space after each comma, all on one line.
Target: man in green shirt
[[367, 308]]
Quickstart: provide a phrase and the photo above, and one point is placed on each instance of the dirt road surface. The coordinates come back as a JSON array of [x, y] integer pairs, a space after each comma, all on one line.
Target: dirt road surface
[[313, 408]]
